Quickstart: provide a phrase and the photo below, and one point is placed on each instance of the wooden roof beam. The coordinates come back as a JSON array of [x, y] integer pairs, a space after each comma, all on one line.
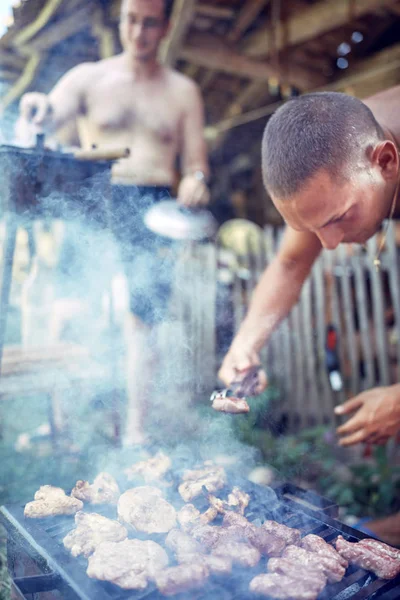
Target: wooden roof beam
[[382, 65], [210, 52], [215, 12], [246, 17], [61, 30], [309, 24], [182, 16]]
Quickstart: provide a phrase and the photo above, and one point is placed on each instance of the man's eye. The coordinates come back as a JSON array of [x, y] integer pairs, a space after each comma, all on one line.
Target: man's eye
[[151, 23]]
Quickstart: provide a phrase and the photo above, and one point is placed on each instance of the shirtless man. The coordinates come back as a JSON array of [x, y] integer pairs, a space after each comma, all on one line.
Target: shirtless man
[[331, 166], [130, 100]]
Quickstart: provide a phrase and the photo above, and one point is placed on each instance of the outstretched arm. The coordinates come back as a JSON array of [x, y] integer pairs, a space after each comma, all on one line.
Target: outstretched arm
[[276, 293]]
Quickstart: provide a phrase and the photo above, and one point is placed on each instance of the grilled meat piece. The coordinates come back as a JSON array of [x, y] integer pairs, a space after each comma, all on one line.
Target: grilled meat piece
[[151, 469], [183, 543], [370, 558], [103, 490], [239, 552], [315, 543], [219, 565], [380, 547], [92, 529], [266, 543], [209, 535], [286, 567], [230, 404], [189, 516], [181, 579], [51, 501], [211, 477], [145, 510], [129, 564], [237, 501], [282, 587], [305, 559], [289, 534]]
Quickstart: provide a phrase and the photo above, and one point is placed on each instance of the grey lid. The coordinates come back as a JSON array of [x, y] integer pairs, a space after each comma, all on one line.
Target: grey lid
[[172, 220]]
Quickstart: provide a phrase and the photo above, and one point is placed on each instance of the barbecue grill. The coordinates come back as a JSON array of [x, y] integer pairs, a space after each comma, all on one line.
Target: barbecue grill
[[35, 545], [37, 182]]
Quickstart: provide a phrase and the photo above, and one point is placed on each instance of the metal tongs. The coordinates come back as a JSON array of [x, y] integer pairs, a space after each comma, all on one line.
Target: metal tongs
[[233, 398]]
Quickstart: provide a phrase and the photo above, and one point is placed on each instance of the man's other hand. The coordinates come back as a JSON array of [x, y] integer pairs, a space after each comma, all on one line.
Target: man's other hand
[[237, 363], [376, 418], [193, 191], [35, 108]]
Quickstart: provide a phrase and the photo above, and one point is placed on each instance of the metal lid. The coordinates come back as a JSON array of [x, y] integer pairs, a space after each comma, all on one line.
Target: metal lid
[[172, 220]]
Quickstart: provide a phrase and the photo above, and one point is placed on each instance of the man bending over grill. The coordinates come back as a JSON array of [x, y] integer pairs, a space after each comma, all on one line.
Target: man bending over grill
[[132, 101], [331, 166]]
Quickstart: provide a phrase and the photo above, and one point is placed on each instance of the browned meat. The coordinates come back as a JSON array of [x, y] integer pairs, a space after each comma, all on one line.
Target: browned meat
[[289, 534], [220, 565], [286, 567], [237, 501], [239, 552], [283, 587], [266, 543], [151, 469], [383, 565], [230, 405], [51, 501], [129, 564], [380, 548], [103, 490], [315, 543], [332, 567], [209, 535], [234, 520], [188, 517], [181, 579], [211, 477], [145, 509], [183, 543], [92, 529]]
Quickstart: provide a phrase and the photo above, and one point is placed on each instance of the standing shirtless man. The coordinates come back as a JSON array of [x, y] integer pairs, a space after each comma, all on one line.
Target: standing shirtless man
[[132, 101]]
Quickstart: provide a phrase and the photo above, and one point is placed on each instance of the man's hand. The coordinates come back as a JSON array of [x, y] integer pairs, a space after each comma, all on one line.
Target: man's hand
[[237, 363], [193, 191], [377, 416], [35, 108]]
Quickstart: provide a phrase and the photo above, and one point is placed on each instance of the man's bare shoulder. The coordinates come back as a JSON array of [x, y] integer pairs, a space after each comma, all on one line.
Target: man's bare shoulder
[[181, 81]]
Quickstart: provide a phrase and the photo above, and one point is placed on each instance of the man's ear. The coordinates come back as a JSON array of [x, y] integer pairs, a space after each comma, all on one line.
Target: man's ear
[[385, 155]]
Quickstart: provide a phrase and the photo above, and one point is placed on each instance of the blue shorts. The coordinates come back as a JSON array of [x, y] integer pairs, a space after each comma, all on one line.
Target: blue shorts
[[147, 258]]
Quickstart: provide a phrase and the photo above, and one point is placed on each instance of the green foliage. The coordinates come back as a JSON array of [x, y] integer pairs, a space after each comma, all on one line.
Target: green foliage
[[370, 487]]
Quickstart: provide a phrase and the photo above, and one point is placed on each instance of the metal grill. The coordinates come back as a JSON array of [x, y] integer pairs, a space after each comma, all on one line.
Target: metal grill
[[57, 570]]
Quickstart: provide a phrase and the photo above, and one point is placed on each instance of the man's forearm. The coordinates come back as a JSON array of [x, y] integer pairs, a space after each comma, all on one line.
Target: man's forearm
[[276, 293]]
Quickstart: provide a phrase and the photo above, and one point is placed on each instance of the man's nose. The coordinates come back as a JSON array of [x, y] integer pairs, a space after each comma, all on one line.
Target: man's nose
[[137, 30], [330, 237]]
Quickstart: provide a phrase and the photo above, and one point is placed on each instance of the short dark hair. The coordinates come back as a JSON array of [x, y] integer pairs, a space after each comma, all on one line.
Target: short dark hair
[[322, 130], [168, 7]]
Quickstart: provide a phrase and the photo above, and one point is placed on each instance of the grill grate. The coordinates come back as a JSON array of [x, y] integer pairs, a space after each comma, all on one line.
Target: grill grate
[[42, 539]]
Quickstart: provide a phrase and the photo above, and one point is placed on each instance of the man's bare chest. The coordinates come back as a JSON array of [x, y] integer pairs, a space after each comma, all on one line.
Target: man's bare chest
[[116, 106]]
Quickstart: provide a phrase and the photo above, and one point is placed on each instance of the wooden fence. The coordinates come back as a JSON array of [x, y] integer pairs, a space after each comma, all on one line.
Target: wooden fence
[[344, 290]]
